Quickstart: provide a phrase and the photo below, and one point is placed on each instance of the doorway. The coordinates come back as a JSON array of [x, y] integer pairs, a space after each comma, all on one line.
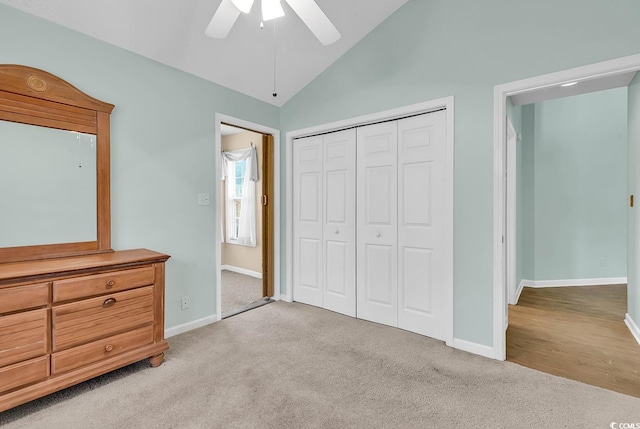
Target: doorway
[[617, 73], [571, 240], [504, 203], [246, 209], [246, 171]]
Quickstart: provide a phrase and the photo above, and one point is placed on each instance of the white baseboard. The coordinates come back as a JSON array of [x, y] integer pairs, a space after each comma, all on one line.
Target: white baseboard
[[574, 282], [242, 271], [635, 331], [521, 285], [475, 348], [286, 297], [189, 326]]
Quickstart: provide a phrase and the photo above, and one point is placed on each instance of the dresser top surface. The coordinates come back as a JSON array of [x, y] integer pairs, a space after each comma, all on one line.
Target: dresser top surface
[[78, 264]]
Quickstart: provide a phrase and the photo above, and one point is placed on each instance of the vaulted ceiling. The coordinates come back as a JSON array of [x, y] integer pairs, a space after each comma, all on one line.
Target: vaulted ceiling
[[172, 32]]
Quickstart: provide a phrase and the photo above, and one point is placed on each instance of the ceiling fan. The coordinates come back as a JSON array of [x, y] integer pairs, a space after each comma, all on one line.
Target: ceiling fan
[[307, 10]]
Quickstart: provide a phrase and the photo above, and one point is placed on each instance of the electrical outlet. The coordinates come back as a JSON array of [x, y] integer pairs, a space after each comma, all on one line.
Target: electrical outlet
[[185, 302]]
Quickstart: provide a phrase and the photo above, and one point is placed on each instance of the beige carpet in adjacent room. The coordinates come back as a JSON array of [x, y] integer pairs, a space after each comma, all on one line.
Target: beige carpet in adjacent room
[[295, 366], [239, 290]]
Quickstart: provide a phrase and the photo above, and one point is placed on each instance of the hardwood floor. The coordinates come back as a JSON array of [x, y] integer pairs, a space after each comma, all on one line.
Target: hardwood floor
[[577, 333]]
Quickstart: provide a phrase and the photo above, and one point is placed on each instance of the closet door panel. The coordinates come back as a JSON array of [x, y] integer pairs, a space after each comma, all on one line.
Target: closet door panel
[[339, 227], [307, 218], [421, 229], [377, 223]]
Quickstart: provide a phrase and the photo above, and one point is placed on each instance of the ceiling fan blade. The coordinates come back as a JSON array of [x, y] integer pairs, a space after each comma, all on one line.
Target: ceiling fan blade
[[271, 9], [311, 14], [244, 5], [222, 20]]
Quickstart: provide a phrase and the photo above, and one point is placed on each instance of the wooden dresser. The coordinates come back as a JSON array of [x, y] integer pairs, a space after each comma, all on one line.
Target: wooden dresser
[[66, 320]]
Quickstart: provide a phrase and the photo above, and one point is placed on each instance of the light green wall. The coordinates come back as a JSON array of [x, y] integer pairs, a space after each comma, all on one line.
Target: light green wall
[[580, 187], [435, 48], [162, 146], [633, 289], [163, 121]]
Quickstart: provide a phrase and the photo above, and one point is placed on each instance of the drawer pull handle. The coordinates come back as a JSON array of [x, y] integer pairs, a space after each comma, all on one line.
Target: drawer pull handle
[[110, 284], [108, 348], [108, 302]]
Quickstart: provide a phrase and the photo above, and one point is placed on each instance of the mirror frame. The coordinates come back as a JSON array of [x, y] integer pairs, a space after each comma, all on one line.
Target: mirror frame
[[35, 97]]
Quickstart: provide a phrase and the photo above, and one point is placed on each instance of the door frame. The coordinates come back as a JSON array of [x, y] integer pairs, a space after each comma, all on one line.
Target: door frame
[[502, 277], [263, 129], [392, 114]]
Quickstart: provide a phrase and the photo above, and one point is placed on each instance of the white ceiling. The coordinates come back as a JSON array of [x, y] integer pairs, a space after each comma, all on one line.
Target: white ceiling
[[172, 32], [583, 87]]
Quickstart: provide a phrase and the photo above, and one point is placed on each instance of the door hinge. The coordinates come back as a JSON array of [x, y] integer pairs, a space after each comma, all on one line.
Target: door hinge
[[264, 200]]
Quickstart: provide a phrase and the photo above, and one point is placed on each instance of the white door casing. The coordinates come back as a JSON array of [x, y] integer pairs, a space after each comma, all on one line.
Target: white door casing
[[377, 230], [421, 225], [510, 215]]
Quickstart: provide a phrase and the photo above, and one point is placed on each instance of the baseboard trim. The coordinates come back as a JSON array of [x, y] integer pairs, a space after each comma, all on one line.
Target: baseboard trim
[[242, 271], [189, 326], [574, 282], [475, 348], [521, 286], [635, 330]]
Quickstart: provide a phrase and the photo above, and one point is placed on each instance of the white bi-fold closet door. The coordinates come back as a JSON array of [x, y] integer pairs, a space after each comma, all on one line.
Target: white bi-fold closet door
[[401, 233], [324, 207], [369, 223]]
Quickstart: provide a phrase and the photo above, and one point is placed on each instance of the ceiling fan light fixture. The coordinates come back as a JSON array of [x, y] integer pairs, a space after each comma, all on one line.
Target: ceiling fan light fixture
[[243, 5], [271, 9]]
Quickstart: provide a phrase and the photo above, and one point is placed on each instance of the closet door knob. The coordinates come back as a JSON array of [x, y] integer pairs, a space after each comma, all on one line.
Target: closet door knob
[[378, 234], [108, 348], [337, 231]]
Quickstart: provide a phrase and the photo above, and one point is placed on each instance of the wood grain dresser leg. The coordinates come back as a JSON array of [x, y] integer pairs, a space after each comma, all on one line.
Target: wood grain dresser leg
[[156, 360]]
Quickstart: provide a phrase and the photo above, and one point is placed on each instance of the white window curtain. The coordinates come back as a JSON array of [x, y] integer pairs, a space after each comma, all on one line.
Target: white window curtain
[[247, 218]]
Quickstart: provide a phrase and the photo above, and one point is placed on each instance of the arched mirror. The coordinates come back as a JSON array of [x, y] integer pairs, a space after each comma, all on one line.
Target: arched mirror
[[54, 168]]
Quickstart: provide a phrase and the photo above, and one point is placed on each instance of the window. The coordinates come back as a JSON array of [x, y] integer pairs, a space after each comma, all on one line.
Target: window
[[239, 168], [240, 175]]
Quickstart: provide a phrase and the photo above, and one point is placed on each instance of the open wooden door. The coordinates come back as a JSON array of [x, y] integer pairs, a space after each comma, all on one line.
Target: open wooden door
[[267, 215]]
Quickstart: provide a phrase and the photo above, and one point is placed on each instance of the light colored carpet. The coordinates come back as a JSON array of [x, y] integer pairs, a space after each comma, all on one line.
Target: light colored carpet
[[239, 290], [295, 366]]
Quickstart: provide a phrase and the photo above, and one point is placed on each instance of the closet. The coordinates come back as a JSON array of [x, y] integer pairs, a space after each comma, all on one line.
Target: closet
[[370, 236]]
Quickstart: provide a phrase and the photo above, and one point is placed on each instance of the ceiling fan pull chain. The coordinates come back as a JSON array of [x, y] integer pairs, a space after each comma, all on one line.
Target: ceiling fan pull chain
[[275, 94]]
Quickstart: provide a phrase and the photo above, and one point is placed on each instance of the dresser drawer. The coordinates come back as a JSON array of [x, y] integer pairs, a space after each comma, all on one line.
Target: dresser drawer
[[23, 336], [99, 284], [95, 318], [24, 373], [102, 349], [23, 297]]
